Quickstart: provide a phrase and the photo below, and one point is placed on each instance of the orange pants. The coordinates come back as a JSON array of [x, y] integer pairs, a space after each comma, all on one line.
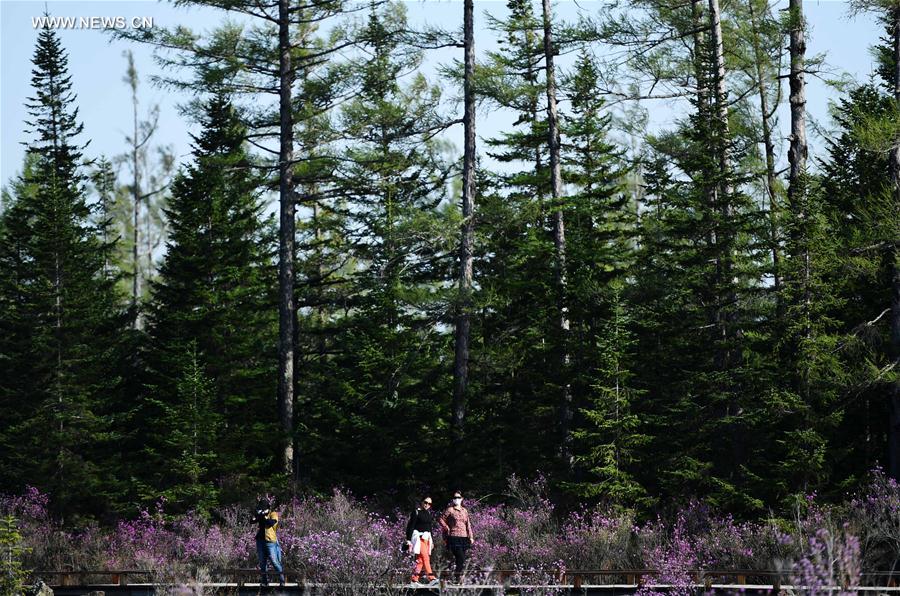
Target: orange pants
[[423, 560]]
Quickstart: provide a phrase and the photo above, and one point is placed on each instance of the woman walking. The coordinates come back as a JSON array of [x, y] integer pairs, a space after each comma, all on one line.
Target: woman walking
[[457, 531], [419, 541]]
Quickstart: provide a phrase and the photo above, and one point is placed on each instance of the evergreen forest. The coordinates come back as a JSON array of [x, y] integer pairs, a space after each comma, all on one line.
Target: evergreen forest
[[346, 284]]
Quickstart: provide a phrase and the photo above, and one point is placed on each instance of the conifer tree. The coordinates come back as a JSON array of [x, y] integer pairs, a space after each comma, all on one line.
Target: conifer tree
[[510, 78], [324, 262], [391, 190], [559, 244], [803, 228], [193, 429], [59, 380], [213, 307], [601, 216], [600, 229], [270, 54], [853, 366], [12, 551], [516, 324], [698, 293], [463, 326], [612, 439], [760, 62]]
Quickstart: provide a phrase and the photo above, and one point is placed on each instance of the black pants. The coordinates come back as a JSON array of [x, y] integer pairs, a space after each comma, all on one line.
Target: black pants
[[458, 548]]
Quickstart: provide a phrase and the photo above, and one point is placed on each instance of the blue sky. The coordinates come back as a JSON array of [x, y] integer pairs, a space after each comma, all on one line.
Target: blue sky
[[97, 65]]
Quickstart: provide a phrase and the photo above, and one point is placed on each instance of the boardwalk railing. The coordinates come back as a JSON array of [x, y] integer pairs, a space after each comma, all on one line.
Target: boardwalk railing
[[575, 578]]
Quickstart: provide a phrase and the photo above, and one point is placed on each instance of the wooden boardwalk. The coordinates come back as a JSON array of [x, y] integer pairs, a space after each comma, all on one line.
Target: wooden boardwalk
[[243, 582], [447, 590]]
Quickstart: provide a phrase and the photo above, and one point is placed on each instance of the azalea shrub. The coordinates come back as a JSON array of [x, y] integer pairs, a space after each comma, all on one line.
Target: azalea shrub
[[338, 540]]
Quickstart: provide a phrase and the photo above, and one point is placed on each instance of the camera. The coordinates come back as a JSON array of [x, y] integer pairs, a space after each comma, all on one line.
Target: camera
[[262, 508]]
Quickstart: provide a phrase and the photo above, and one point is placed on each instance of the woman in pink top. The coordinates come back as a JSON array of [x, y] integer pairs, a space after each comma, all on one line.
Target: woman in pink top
[[457, 531]]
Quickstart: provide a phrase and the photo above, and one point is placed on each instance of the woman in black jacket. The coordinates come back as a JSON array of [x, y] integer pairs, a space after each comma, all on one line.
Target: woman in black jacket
[[419, 541]]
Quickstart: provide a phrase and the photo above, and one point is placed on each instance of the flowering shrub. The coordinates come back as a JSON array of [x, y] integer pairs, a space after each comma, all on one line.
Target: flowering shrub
[[600, 539], [215, 546], [512, 538], [144, 543], [672, 554], [874, 516], [336, 540], [832, 560]]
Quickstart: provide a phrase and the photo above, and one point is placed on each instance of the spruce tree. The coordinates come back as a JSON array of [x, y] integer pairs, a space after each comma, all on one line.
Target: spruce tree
[[60, 386], [212, 319], [193, 426], [612, 439], [385, 380], [602, 219], [600, 228], [852, 364], [699, 311], [518, 318]]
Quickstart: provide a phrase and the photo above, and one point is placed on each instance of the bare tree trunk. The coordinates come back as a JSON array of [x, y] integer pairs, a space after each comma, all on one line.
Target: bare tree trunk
[[320, 270], [722, 194], [797, 156], [559, 241], [286, 245], [702, 74], [463, 323], [721, 91], [724, 241], [142, 132], [797, 153], [894, 421], [769, 146], [136, 194], [699, 52], [57, 290], [149, 244]]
